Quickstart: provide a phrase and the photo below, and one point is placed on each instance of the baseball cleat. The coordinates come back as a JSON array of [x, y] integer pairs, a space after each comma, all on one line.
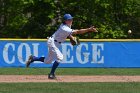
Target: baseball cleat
[[30, 60], [51, 76]]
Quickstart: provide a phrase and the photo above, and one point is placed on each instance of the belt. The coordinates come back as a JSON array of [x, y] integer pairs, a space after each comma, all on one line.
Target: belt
[[56, 40]]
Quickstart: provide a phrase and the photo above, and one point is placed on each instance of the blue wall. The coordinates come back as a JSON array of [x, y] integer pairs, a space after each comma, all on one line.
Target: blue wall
[[87, 54]]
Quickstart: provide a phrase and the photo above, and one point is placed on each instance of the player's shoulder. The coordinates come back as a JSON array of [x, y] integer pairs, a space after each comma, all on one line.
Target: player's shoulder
[[65, 27]]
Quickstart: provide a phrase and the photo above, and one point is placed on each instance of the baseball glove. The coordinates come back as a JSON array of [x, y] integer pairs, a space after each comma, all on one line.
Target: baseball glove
[[75, 41]]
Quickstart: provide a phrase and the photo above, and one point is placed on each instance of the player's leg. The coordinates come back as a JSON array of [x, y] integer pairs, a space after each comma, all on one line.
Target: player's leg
[[59, 58], [34, 58], [31, 59], [48, 59], [52, 73]]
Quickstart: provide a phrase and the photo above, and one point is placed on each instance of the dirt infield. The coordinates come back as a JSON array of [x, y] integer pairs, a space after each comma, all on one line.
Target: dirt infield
[[68, 78]]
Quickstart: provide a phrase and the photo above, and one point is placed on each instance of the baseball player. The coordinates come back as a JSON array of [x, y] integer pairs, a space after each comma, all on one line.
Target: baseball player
[[54, 42]]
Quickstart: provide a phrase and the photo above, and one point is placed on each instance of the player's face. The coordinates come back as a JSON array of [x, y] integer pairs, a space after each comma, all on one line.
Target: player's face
[[69, 22]]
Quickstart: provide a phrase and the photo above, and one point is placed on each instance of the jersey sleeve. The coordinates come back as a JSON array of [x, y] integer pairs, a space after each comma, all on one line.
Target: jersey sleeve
[[68, 31], [71, 32]]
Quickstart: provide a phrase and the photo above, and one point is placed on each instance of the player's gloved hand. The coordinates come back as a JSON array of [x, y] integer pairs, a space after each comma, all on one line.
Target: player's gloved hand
[[75, 41], [92, 29]]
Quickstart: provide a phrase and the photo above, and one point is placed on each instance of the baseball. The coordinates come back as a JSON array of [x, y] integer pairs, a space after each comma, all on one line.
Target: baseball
[[129, 31]]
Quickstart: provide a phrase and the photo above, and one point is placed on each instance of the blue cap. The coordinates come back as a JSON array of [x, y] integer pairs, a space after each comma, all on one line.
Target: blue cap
[[67, 17]]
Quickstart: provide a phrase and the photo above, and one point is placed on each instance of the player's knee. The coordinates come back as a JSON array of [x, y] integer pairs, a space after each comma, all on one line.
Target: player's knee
[[60, 58]]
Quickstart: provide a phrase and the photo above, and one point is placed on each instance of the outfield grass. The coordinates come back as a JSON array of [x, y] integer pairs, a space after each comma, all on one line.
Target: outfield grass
[[70, 71], [69, 87]]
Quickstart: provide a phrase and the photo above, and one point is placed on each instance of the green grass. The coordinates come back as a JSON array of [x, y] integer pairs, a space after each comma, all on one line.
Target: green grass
[[70, 71], [69, 87], [133, 87]]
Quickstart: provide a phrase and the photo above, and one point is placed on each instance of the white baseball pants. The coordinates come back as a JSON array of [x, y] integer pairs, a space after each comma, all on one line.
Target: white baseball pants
[[54, 54]]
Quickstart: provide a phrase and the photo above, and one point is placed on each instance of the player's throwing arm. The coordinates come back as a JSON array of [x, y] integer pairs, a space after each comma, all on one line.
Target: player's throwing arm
[[75, 40]]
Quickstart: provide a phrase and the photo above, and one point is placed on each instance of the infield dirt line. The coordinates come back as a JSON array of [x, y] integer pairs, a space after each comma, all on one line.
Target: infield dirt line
[[68, 78]]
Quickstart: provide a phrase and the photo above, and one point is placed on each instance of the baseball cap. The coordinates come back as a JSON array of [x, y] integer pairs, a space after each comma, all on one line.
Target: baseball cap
[[67, 17]]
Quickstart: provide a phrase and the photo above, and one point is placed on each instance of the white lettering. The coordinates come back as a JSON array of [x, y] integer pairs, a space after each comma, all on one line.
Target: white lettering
[[6, 53], [79, 54], [97, 53], [20, 52], [35, 49], [66, 51], [83, 53]]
